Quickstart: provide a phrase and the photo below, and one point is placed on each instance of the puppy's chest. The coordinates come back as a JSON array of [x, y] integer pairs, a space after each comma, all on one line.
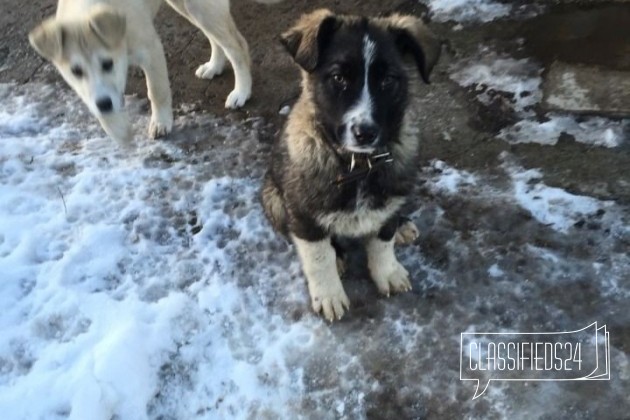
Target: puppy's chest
[[360, 210], [361, 198]]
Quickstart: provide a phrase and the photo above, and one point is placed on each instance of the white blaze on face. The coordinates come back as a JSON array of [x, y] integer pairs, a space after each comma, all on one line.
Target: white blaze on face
[[361, 112]]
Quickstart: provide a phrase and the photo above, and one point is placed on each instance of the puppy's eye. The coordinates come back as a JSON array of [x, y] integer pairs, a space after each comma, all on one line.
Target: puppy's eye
[[389, 82], [107, 65], [339, 80], [77, 71]]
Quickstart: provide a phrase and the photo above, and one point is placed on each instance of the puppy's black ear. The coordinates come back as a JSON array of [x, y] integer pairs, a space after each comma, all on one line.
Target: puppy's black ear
[[108, 25], [47, 39], [413, 37], [306, 40]]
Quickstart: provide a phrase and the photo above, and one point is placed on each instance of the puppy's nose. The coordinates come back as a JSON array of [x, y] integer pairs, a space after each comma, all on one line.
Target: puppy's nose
[[104, 104], [364, 133]]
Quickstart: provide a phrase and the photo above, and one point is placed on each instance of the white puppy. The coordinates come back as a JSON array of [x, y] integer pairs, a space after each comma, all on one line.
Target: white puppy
[[92, 43]]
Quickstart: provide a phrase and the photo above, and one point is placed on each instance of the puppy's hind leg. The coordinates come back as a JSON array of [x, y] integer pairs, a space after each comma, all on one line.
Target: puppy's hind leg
[[407, 231], [216, 22], [215, 66], [158, 88]]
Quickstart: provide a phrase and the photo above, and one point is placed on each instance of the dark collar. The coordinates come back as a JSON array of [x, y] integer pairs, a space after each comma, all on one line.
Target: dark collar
[[361, 165]]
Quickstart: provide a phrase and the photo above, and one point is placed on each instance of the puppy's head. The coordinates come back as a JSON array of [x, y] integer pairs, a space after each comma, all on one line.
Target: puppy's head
[[354, 69], [90, 54]]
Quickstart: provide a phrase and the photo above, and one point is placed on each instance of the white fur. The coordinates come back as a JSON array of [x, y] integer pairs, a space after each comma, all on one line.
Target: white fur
[[406, 233], [362, 221], [142, 47], [388, 274], [319, 262], [361, 112]]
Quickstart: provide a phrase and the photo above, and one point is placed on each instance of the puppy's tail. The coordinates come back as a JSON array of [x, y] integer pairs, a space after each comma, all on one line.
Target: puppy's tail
[[273, 205]]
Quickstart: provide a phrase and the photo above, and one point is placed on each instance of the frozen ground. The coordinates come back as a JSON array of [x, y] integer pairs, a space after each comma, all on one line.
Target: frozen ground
[[148, 285]]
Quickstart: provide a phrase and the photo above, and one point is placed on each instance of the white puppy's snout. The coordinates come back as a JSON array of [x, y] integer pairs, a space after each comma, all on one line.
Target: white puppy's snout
[[104, 105]]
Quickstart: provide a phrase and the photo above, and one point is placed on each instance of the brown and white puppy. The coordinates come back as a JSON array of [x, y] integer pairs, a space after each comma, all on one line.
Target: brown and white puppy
[[92, 43], [348, 155]]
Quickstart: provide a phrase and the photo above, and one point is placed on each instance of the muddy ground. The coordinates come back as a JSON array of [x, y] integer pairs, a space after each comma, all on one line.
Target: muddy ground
[[461, 234]]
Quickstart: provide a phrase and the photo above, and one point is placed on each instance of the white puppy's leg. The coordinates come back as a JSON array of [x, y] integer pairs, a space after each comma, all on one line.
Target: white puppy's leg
[[388, 274], [117, 126], [215, 66], [158, 89], [215, 20], [320, 268]]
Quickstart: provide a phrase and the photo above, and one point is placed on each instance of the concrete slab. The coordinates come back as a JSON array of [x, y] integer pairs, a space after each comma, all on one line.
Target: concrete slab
[[586, 89]]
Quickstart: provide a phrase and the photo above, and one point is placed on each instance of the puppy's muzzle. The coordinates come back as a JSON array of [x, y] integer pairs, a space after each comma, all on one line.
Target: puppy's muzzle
[[365, 134]]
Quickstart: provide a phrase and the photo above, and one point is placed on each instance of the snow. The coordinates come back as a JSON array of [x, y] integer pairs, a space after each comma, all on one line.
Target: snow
[[148, 284], [467, 10], [551, 206], [495, 272], [101, 288], [597, 131], [450, 180], [491, 73]]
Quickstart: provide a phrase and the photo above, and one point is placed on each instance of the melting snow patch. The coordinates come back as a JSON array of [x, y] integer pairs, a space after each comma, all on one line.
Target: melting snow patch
[[597, 131], [490, 74], [551, 206], [449, 180], [467, 10]]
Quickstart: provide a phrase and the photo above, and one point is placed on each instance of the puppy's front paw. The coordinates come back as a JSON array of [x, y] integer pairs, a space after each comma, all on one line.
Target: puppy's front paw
[[237, 98], [332, 301], [161, 124], [407, 233], [209, 70], [395, 279]]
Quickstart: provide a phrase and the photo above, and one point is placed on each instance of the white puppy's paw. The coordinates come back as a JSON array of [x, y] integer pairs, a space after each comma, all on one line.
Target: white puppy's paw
[[394, 279], [161, 124], [332, 301], [209, 70], [406, 233], [237, 98]]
